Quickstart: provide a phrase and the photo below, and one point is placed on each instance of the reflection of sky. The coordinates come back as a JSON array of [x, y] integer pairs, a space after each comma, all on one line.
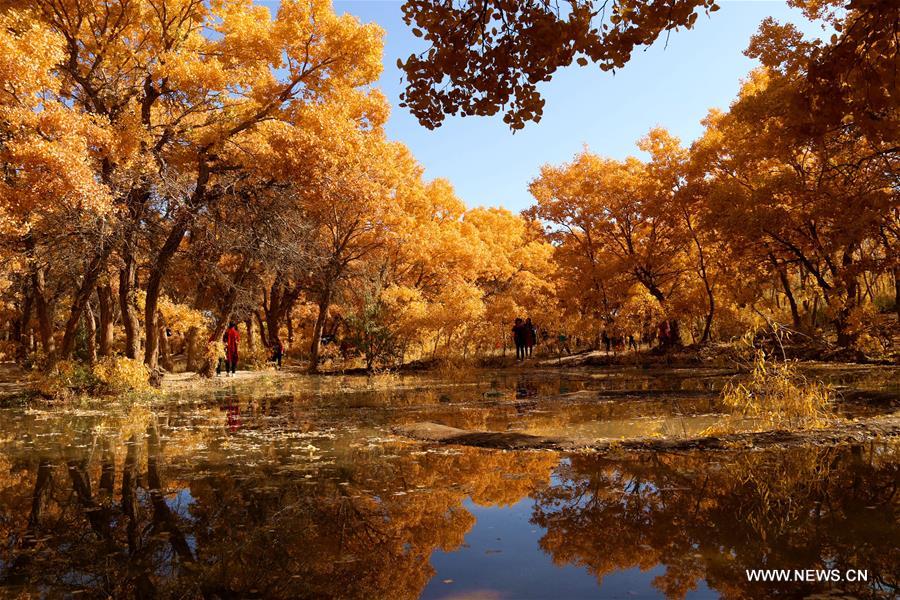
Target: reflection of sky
[[501, 558], [669, 86]]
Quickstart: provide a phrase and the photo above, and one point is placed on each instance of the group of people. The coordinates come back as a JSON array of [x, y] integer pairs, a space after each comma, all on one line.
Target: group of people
[[617, 342], [524, 337]]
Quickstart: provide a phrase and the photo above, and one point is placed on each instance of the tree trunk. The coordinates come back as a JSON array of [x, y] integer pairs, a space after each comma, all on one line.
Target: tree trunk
[[701, 269], [278, 306], [191, 350], [105, 302], [786, 285], [846, 337], [88, 283], [262, 328], [251, 343], [154, 286], [130, 322], [897, 292], [707, 326], [24, 323], [324, 303], [90, 331]]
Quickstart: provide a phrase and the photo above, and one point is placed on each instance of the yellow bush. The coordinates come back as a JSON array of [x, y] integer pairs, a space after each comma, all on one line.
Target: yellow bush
[[64, 379], [256, 358], [117, 375], [214, 351], [777, 395], [110, 375]]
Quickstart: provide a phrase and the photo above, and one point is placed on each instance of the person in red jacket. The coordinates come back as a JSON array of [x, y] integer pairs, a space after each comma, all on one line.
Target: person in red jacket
[[231, 339]]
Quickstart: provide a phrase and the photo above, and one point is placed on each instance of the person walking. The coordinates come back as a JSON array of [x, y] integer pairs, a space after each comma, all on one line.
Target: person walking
[[277, 352], [632, 344], [231, 339], [530, 337], [518, 332]]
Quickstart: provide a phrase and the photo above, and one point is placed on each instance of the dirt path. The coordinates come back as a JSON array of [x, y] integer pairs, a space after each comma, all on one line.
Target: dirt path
[[853, 431], [193, 381]]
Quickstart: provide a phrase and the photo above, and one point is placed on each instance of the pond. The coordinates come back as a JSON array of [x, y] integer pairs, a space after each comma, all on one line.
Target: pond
[[298, 487]]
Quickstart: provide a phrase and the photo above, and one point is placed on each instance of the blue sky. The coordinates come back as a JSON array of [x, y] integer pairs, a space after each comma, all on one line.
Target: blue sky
[[671, 86]]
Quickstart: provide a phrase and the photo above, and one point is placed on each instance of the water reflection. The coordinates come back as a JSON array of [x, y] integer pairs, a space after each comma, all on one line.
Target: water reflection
[[307, 494], [143, 515], [710, 517]]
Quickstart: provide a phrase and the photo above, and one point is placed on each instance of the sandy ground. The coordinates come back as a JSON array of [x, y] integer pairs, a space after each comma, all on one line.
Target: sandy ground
[[854, 431], [189, 380]]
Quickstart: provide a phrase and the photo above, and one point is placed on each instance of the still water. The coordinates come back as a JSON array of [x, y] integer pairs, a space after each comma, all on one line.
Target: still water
[[300, 489]]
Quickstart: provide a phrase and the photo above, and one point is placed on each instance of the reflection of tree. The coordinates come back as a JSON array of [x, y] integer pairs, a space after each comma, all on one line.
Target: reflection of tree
[[706, 516], [365, 527], [364, 530]]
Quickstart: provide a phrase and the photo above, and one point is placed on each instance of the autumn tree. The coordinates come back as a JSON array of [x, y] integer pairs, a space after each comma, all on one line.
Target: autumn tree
[[618, 222], [488, 56], [819, 203], [173, 100]]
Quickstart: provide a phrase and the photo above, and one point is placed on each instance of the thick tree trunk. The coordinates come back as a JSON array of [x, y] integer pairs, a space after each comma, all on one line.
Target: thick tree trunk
[[846, 337], [90, 331], [105, 302], [324, 304], [262, 328], [88, 284], [707, 325], [192, 350], [154, 286], [130, 321], [277, 307], [788, 292]]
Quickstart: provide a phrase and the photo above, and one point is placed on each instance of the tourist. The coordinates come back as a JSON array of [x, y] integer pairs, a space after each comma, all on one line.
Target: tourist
[[277, 352], [231, 339], [518, 332], [530, 337]]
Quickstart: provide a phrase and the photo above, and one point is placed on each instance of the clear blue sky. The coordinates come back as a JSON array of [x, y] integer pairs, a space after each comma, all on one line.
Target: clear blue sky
[[671, 86]]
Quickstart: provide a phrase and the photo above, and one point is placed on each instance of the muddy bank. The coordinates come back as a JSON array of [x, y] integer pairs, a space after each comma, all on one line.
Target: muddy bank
[[853, 431]]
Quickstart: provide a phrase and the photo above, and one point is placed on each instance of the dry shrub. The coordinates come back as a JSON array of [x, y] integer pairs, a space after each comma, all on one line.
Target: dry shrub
[[64, 379], [777, 395], [456, 368], [110, 375], [119, 375], [9, 350], [256, 358], [383, 378]]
